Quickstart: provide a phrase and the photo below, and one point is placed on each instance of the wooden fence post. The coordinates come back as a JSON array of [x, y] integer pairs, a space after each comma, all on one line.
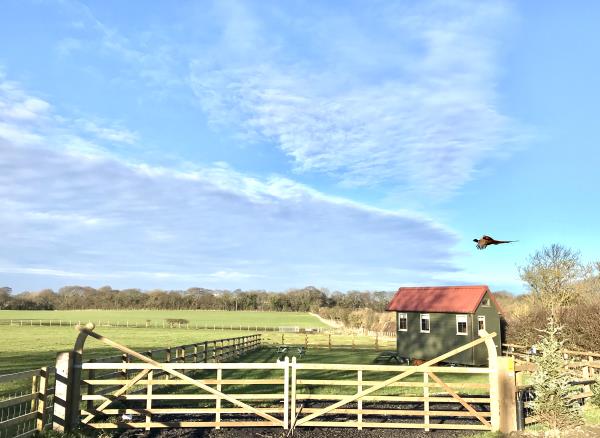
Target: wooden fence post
[[359, 403], [494, 380], [35, 381], [507, 392], [124, 371], [150, 376], [168, 360], [329, 340], [218, 399], [286, 393], [90, 388], [426, 400], [586, 376], [42, 396], [66, 392], [293, 392]]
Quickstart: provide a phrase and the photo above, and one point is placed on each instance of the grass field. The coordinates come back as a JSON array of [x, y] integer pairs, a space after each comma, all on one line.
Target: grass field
[[200, 317], [27, 347]]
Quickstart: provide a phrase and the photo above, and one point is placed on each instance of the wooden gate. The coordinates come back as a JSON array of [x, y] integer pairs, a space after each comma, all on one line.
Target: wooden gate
[[149, 394], [161, 395], [350, 410]]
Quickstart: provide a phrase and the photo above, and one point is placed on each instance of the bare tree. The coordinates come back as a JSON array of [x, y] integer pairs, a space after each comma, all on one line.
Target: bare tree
[[5, 297], [553, 275]]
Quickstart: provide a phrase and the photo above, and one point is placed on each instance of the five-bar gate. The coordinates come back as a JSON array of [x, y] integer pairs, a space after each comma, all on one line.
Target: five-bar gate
[[287, 394]]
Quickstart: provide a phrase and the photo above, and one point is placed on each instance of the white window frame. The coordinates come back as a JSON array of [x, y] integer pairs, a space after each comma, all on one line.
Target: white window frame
[[425, 316], [481, 318], [400, 316], [465, 319]]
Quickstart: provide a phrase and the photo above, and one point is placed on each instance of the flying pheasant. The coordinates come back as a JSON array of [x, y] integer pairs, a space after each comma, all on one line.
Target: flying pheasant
[[487, 240]]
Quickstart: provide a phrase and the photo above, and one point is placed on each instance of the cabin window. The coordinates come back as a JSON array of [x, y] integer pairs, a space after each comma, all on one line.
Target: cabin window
[[461, 324], [425, 323], [486, 302], [481, 322], [402, 322]]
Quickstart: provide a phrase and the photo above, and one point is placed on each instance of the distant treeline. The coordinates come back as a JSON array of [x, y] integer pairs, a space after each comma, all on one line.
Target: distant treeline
[[308, 299]]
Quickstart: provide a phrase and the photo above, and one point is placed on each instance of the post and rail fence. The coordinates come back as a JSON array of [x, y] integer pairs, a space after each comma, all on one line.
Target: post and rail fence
[[193, 386], [165, 324], [146, 392], [582, 366], [22, 413]]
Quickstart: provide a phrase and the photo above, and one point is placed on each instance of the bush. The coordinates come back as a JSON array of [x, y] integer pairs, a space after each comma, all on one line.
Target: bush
[[595, 398], [175, 322], [551, 384], [525, 324], [581, 323]]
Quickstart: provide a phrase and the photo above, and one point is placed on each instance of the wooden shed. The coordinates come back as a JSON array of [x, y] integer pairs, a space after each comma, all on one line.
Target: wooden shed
[[433, 320]]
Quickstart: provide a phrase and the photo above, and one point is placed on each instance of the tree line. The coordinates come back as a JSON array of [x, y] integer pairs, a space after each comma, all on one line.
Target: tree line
[[559, 285], [307, 299]]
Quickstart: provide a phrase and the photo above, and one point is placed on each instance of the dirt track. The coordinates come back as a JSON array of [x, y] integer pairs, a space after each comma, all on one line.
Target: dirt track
[[308, 432], [580, 432]]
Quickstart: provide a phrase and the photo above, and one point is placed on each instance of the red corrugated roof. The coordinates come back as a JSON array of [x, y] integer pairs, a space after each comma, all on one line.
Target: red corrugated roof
[[449, 299]]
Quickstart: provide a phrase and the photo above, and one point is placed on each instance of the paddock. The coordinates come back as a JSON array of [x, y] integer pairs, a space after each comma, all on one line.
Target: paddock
[[238, 382]]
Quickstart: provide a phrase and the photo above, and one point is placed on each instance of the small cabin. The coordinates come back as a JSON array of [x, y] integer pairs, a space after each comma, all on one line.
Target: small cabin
[[431, 321]]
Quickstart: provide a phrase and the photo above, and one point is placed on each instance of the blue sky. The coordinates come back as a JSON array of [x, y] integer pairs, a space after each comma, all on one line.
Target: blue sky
[[271, 145]]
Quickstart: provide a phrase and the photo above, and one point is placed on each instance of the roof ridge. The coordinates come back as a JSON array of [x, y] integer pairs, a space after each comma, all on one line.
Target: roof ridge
[[445, 287]]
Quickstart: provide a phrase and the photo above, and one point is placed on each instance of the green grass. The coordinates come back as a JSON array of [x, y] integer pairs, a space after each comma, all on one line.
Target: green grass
[[591, 414], [200, 317], [27, 347]]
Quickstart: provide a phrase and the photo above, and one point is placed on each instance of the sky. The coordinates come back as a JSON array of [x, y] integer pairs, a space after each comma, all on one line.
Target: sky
[[273, 145]]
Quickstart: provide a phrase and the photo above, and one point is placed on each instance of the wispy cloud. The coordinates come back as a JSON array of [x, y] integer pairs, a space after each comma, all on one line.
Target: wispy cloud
[[402, 95], [115, 134], [147, 56], [67, 212]]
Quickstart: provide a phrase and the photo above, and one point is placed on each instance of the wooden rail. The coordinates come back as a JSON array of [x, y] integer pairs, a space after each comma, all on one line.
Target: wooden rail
[[24, 413], [380, 391], [21, 414], [192, 386], [518, 350], [582, 366], [245, 395], [211, 396], [434, 397], [165, 325], [204, 409]]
